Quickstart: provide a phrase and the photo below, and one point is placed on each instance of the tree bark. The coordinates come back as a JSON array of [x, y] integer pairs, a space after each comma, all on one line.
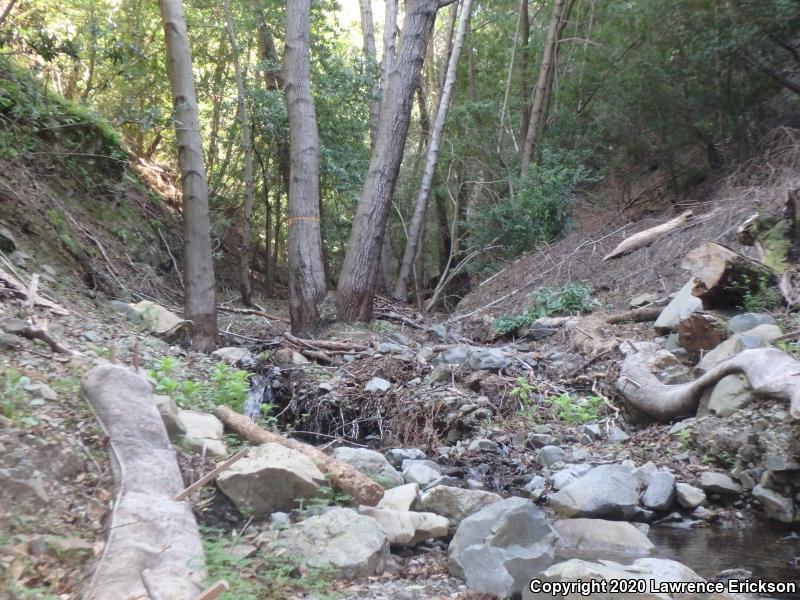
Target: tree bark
[[343, 476], [247, 147], [371, 60], [306, 268], [358, 280], [10, 6], [648, 236], [421, 208], [525, 67], [200, 298], [541, 93]]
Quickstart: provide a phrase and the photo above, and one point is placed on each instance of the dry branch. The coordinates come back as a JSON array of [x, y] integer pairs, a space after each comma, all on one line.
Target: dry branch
[[19, 290], [210, 475], [343, 476], [771, 373], [251, 311], [648, 236]]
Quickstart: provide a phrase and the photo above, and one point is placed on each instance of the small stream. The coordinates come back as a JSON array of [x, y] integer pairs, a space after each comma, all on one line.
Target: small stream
[[770, 551]]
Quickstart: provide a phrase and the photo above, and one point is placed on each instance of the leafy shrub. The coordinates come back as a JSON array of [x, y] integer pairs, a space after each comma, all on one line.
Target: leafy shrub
[[573, 298], [575, 410], [757, 295], [227, 385], [14, 402]]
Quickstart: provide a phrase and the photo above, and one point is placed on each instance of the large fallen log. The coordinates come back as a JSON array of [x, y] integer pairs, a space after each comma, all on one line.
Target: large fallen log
[[648, 236], [343, 476], [153, 548], [722, 277], [771, 372]]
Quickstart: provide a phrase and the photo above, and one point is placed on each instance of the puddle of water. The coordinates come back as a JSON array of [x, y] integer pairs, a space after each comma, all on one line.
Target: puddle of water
[[770, 551]]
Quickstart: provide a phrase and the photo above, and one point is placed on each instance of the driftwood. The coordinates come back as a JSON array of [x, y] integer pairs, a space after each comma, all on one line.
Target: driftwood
[[252, 311], [701, 331], [343, 476], [636, 315], [771, 373], [648, 236], [723, 276]]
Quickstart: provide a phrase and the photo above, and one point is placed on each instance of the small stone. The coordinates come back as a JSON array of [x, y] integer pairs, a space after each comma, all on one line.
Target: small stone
[[719, 483], [490, 359], [41, 390], [541, 439], [233, 355], [400, 498], [419, 472], [407, 528], [483, 445], [660, 491], [776, 507], [370, 463], [455, 503], [396, 456], [550, 455], [748, 321], [377, 384]]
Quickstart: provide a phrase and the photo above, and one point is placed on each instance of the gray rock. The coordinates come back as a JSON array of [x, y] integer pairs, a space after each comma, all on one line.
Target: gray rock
[[400, 498], [596, 538], [170, 414], [660, 492], [776, 507], [681, 306], [233, 355], [455, 503], [689, 496], [718, 483], [748, 321], [498, 549], [41, 390], [377, 384], [456, 356], [489, 359], [390, 348], [271, 478], [160, 321], [396, 456], [203, 432], [550, 455], [483, 444], [607, 491], [731, 393], [401, 339], [564, 477], [536, 484], [617, 436], [354, 545], [437, 332], [370, 463], [541, 439], [420, 471], [407, 528]]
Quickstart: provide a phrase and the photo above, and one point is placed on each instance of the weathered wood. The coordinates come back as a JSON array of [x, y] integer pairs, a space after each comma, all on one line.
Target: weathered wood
[[701, 331], [771, 373], [648, 236], [343, 476], [215, 591], [723, 276], [636, 315], [210, 475]]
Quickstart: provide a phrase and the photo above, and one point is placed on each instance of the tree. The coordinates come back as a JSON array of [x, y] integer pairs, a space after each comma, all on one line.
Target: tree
[[541, 93], [247, 146], [200, 296], [421, 208], [358, 280], [370, 57], [306, 268]]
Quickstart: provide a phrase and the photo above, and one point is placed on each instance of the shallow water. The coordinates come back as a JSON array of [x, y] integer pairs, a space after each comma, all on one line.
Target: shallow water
[[771, 552]]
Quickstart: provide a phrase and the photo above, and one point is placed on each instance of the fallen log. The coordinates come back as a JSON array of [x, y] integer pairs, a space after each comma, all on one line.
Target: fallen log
[[648, 236], [636, 315], [722, 277], [771, 373], [343, 476]]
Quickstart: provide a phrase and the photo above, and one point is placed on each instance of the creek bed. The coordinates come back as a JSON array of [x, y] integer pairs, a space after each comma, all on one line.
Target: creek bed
[[770, 551]]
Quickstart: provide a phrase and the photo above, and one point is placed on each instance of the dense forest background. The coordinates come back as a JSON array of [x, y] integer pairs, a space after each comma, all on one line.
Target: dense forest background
[[633, 102]]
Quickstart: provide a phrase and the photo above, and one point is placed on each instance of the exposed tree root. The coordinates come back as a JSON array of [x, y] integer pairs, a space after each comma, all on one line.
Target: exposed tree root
[[771, 373]]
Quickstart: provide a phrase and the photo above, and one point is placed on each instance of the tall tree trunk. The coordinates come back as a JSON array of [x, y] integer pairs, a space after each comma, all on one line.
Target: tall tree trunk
[[421, 208], [371, 60], [10, 6], [200, 298], [247, 147], [523, 7], [525, 67], [357, 283], [541, 94], [306, 269]]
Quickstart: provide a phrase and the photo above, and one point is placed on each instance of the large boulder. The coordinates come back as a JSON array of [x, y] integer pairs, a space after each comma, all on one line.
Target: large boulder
[[719, 483], [422, 472], [233, 355], [660, 492], [489, 359], [372, 464], [407, 528], [607, 491], [456, 503], [659, 570], [203, 432], [776, 507], [498, 549], [681, 306], [731, 393], [597, 538], [160, 321], [401, 497], [354, 545], [689, 496], [271, 478]]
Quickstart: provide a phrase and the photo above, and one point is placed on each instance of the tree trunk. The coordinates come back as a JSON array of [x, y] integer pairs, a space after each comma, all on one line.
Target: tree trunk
[[200, 298], [247, 146], [306, 269], [371, 60], [525, 79], [10, 6], [421, 208], [358, 280], [541, 94]]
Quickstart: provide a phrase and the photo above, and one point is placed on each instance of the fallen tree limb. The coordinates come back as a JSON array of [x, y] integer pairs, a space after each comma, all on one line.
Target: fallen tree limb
[[345, 347], [636, 315], [17, 289], [648, 236], [37, 331], [343, 476], [210, 475], [770, 372], [252, 311]]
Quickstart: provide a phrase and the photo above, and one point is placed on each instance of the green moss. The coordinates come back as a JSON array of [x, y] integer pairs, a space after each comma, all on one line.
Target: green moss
[[777, 243]]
